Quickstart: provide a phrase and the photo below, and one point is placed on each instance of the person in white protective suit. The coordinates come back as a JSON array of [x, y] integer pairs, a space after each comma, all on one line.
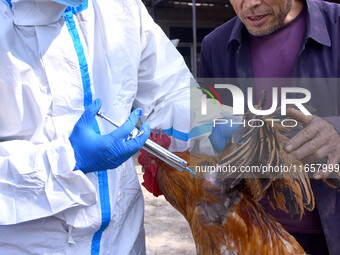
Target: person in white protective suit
[[57, 194], [55, 61]]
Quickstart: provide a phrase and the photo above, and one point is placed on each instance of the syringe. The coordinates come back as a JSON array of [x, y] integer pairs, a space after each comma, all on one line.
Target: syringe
[[156, 150]]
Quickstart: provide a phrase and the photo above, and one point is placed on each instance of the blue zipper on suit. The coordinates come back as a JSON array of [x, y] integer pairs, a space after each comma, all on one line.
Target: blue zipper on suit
[[104, 194]]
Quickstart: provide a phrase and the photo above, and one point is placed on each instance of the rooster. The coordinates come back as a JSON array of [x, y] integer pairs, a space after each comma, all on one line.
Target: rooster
[[223, 209]]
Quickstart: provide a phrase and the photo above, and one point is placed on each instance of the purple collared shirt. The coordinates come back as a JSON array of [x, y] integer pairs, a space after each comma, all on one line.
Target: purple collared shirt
[[274, 56]]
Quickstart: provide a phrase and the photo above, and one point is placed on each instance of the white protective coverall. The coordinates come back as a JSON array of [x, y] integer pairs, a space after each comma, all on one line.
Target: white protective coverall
[[53, 64]]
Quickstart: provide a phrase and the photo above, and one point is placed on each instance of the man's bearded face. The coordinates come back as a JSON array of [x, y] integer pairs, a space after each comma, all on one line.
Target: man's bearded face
[[262, 17]]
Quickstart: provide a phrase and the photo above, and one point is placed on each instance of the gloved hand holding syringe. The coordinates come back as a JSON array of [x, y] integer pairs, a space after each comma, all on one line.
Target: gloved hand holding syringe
[[155, 149]]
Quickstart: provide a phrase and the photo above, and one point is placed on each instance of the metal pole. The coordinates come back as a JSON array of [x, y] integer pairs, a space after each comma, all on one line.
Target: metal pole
[[153, 14], [194, 37]]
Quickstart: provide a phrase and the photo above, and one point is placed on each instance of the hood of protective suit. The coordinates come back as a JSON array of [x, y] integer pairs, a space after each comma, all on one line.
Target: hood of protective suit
[[36, 12]]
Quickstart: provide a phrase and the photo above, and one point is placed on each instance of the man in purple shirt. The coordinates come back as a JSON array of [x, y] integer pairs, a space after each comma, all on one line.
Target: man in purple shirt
[[284, 39]]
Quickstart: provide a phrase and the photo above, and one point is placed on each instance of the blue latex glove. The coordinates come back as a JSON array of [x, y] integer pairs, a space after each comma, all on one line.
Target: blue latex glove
[[95, 152], [74, 3], [221, 134]]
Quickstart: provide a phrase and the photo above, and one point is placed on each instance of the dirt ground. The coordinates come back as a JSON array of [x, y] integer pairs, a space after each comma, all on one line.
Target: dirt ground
[[167, 232]]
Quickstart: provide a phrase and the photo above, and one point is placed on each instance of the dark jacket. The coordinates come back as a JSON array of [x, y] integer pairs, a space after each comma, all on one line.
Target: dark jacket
[[225, 53]]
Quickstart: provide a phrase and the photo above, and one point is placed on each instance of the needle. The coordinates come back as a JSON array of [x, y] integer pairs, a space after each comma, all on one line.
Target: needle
[[157, 150]]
